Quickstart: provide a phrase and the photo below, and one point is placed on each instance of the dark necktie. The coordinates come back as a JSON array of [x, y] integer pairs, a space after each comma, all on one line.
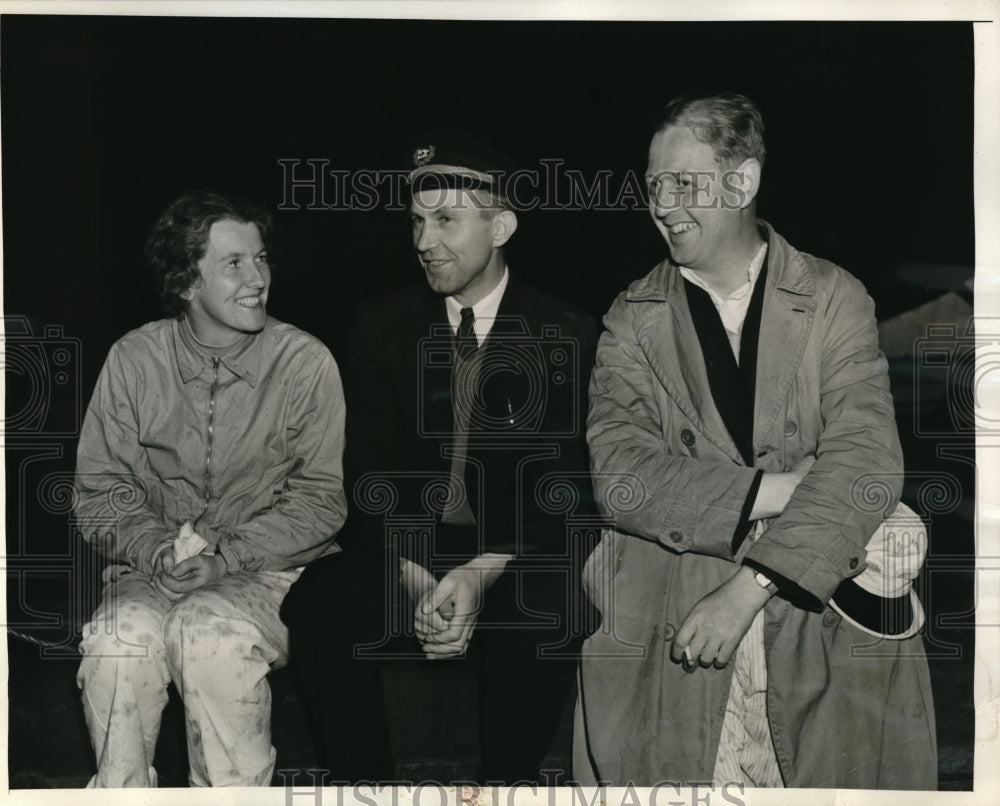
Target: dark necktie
[[459, 512], [467, 344]]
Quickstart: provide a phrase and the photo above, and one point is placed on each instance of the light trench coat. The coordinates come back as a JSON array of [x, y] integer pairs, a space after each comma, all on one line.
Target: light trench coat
[[845, 709]]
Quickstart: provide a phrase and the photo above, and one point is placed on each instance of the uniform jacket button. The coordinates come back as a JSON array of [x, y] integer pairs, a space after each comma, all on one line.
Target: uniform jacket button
[[853, 563], [676, 537], [830, 619], [687, 437], [669, 631], [790, 428]]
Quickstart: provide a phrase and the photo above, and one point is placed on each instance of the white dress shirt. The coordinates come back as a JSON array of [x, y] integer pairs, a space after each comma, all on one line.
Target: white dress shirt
[[485, 310]]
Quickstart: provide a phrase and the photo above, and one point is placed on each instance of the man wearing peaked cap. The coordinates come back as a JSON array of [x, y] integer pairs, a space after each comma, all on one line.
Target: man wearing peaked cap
[[467, 471], [453, 157]]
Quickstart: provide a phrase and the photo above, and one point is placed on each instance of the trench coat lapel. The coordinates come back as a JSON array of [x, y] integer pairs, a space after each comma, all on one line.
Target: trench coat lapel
[[666, 334], [785, 325]]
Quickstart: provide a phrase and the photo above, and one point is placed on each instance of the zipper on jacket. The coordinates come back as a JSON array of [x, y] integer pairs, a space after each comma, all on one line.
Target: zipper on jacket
[[208, 449]]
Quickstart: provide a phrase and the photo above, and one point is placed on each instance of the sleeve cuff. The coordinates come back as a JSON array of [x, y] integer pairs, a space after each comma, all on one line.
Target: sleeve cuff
[[228, 547], [787, 589], [819, 558], [154, 555], [144, 552]]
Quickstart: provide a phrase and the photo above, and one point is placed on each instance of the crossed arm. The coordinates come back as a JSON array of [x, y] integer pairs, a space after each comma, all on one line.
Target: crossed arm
[[817, 531]]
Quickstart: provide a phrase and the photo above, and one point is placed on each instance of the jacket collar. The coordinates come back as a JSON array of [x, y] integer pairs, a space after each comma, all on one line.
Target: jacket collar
[[433, 311], [512, 315], [786, 270], [668, 338], [193, 360]]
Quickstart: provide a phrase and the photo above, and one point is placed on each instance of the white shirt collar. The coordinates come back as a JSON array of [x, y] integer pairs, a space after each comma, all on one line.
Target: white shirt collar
[[753, 270], [733, 309], [485, 310]]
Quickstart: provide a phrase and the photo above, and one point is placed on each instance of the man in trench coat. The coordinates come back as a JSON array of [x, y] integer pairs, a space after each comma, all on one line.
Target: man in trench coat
[[743, 440]]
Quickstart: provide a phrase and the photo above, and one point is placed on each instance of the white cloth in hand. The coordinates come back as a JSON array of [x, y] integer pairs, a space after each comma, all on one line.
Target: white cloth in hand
[[188, 543]]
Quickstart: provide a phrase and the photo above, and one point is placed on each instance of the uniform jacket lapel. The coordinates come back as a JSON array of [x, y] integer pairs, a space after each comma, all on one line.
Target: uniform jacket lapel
[[430, 366], [433, 364], [501, 387]]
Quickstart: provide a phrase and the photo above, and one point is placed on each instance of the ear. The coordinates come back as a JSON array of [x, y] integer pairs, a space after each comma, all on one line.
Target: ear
[[743, 183], [188, 293], [504, 225]]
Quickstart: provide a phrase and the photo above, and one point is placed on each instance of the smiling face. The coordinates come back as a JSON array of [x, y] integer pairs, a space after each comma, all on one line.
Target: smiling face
[[695, 202], [229, 298], [458, 243]]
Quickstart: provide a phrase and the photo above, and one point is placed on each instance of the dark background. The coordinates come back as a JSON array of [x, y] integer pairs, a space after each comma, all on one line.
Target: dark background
[[869, 131], [104, 120]]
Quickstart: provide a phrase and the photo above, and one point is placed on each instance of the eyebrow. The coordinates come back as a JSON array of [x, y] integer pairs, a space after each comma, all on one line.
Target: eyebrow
[[227, 257]]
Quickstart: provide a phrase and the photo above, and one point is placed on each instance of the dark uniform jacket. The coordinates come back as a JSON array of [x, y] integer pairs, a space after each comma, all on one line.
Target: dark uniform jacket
[[527, 475]]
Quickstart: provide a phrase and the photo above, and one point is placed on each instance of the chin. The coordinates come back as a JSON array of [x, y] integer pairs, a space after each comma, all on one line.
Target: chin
[[439, 287], [680, 256], [252, 324]]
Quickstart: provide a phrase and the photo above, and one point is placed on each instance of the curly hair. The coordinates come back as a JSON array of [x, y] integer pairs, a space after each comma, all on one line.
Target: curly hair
[[178, 239], [729, 122]]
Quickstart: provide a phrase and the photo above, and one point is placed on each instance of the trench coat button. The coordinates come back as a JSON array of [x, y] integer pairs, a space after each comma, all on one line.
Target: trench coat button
[[853, 563], [669, 631], [676, 537], [830, 619], [790, 428], [687, 437]]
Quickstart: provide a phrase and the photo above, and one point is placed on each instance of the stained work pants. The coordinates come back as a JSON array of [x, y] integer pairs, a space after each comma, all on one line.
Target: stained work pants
[[216, 644]]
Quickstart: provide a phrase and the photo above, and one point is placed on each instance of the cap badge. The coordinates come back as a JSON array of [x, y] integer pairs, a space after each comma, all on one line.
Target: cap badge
[[423, 155]]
